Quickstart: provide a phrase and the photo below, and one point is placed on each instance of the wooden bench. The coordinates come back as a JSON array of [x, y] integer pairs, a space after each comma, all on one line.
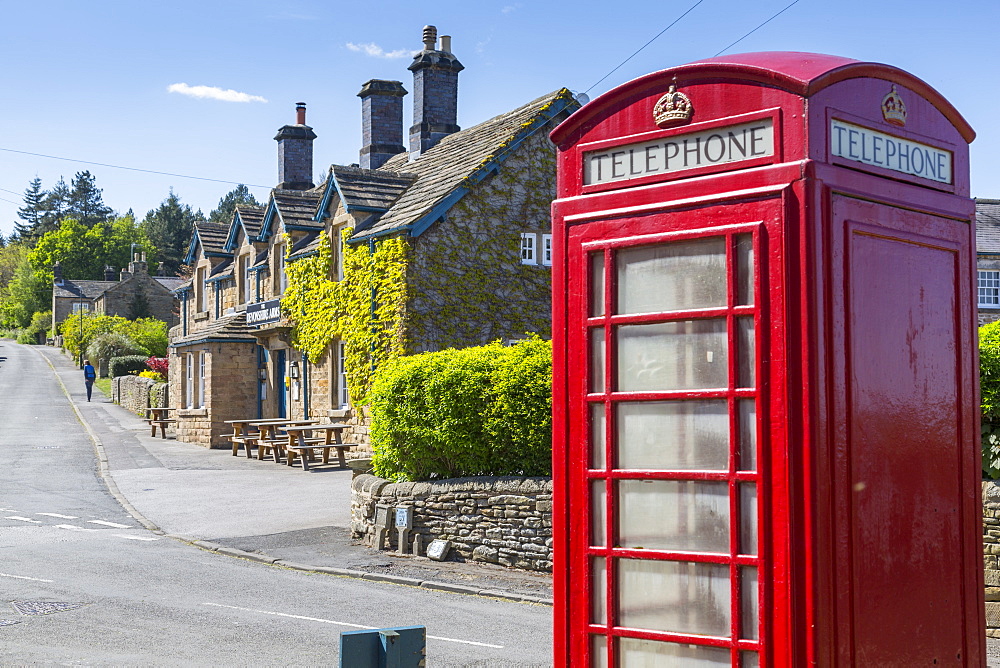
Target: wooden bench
[[161, 423], [298, 446]]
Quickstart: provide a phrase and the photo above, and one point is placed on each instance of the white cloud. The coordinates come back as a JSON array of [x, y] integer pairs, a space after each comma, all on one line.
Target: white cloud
[[374, 50], [213, 93], [510, 8]]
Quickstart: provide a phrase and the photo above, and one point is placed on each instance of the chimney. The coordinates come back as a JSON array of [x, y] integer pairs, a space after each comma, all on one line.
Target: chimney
[[435, 93], [57, 277], [381, 121], [109, 272], [135, 266], [295, 153]]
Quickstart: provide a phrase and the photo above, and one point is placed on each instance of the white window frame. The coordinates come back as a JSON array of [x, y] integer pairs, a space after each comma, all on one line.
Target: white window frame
[[189, 380], [280, 277], [201, 290], [546, 250], [202, 363], [529, 248], [245, 261], [988, 288], [343, 393]]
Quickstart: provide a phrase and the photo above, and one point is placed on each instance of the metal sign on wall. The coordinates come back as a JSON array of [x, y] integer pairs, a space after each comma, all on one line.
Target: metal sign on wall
[[264, 312]]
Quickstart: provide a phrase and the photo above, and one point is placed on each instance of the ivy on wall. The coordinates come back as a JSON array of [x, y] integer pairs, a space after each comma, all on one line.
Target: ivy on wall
[[365, 310]]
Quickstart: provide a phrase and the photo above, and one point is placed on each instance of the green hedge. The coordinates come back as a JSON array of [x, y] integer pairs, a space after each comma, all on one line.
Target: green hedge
[[126, 365], [475, 411], [989, 388]]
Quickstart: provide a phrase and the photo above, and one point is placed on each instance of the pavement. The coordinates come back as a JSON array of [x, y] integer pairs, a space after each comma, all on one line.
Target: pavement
[[258, 510]]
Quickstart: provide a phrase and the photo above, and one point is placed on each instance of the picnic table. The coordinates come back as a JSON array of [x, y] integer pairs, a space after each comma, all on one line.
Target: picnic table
[[159, 417], [262, 434], [302, 446]]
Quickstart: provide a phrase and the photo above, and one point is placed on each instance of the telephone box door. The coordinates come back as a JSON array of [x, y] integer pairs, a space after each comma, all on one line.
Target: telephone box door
[[669, 449]]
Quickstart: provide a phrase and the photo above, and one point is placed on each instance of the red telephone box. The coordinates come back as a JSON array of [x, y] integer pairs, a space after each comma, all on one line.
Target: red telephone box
[[766, 442]]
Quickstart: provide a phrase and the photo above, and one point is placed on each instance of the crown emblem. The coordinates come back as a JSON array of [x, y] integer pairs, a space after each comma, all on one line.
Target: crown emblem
[[893, 108], [674, 108]]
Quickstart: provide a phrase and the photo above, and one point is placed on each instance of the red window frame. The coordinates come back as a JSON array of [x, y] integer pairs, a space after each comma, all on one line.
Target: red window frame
[[609, 397]]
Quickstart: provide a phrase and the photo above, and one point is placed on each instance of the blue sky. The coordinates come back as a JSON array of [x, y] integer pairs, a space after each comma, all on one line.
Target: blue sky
[[100, 81]]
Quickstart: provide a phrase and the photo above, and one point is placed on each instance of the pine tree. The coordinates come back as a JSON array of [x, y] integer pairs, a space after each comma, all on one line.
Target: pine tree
[[169, 228], [227, 205], [31, 212], [85, 201], [54, 208]]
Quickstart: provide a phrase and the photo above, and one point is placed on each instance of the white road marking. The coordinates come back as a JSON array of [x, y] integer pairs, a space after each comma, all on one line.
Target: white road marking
[[121, 535], [62, 517], [23, 519], [353, 626], [23, 577], [109, 524], [73, 527]]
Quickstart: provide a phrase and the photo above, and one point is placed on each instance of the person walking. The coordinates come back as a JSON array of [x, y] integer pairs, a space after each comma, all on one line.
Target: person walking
[[89, 376]]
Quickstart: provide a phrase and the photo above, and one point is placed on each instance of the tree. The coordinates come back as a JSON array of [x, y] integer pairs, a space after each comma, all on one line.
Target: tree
[[169, 228], [55, 205], [85, 202], [25, 295], [83, 253], [31, 212], [227, 205]]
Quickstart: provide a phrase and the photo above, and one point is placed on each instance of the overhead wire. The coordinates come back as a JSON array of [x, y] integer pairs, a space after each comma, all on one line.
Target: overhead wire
[[757, 28]]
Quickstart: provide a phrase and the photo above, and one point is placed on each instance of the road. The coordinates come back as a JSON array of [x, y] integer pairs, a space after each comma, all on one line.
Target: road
[[83, 583]]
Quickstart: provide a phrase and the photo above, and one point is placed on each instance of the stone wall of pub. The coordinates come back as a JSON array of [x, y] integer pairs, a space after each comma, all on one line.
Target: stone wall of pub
[[137, 394], [991, 556], [506, 521]]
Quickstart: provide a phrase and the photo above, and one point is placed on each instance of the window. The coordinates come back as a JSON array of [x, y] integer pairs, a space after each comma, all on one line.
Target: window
[[989, 288], [202, 360], [280, 277], [200, 290], [528, 255], [547, 250], [245, 277], [189, 380], [342, 393], [81, 306]]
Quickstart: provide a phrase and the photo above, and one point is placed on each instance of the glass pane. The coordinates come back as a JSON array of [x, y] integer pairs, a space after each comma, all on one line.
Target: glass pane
[[670, 277], [671, 435], [676, 596], [675, 515], [597, 360], [597, 430], [748, 434], [749, 610], [748, 518], [746, 354], [683, 355], [635, 653], [598, 513], [596, 284], [744, 269], [598, 591], [598, 652], [749, 660]]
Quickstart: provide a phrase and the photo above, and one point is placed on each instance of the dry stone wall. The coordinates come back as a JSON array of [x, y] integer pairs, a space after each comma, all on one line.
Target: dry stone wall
[[506, 521], [991, 556], [137, 394]]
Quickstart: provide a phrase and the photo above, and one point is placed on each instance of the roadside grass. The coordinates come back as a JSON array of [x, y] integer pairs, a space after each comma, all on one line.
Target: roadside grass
[[104, 385]]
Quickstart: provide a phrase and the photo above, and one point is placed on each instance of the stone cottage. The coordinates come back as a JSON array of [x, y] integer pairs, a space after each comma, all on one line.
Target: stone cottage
[[988, 259], [464, 215], [131, 293]]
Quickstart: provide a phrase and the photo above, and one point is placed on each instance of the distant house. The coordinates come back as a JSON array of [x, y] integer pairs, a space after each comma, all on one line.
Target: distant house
[[988, 259], [131, 294], [468, 209]]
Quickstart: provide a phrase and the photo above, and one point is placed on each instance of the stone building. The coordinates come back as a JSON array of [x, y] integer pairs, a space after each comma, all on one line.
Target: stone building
[[469, 209], [131, 293], [988, 259]]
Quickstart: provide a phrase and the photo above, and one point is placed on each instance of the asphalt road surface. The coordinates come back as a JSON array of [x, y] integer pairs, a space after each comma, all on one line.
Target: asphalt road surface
[[83, 583]]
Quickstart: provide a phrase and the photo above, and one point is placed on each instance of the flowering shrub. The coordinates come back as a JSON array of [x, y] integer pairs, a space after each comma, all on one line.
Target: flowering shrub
[[154, 375], [159, 365]]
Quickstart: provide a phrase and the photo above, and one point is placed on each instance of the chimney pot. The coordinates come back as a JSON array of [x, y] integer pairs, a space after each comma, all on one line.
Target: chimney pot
[[300, 113], [430, 38], [446, 43]]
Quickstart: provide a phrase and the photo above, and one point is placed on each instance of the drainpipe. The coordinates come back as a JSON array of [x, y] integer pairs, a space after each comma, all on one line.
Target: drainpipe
[[305, 387]]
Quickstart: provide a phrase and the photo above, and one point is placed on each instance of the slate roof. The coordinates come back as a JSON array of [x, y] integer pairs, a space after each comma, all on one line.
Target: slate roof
[[298, 207], [442, 169], [260, 260], [169, 282], [229, 327], [988, 226], [307, 244], [83, 289], [213, 236], [367, 189], [222, 270], [252, 217]]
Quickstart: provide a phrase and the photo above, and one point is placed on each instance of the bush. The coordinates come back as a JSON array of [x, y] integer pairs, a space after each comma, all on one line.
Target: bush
[[79, 330], [475, 411], [152, 375], [37, 330], [128, 365], [160, 365], [108, 345], [989, 387]]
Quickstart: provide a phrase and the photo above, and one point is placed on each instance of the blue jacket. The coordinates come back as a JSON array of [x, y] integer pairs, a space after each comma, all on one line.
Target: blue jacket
[[89, 373]]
